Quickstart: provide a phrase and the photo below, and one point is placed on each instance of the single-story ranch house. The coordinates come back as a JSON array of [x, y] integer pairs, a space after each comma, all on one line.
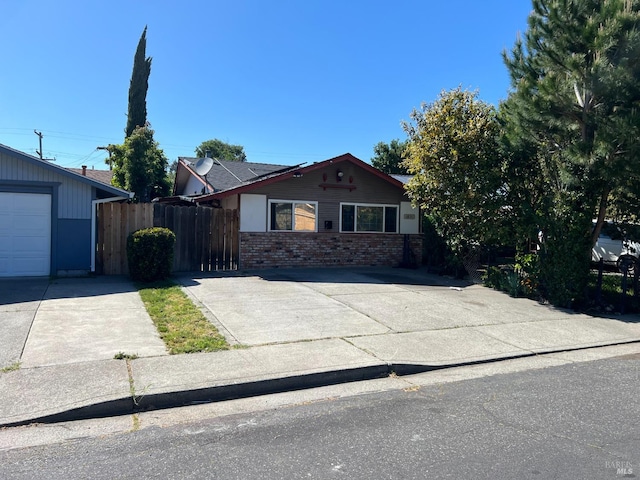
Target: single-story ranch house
[[47, 216], [341, 211]]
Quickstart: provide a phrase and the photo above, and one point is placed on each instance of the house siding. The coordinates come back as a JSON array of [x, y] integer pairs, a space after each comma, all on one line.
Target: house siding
[[74, 198], [74, 245], [297, 249], [321, 186]]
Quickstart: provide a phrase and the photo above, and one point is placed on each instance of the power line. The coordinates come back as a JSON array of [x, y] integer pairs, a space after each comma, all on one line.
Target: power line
[[55, 134]]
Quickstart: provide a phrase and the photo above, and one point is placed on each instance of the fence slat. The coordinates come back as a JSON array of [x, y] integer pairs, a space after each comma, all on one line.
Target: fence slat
[[199, 237], [190, 240], [158, 214], [220, 240]]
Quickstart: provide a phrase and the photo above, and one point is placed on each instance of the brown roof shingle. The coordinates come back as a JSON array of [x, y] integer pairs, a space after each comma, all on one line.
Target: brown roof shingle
[[102, 176]]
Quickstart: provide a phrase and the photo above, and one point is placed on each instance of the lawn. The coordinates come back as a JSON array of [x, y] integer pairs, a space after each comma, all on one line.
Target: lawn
[[182, 327]]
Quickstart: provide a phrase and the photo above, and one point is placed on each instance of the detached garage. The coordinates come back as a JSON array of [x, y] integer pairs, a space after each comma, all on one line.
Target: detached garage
[[47, 216]]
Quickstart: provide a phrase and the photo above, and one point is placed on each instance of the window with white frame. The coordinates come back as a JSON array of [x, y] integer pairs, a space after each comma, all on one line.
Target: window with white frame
[[293, 216], [356, 217]]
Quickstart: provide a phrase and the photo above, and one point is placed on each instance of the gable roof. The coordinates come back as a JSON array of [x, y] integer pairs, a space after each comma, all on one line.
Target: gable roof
[[108, 189], [279, 176], [224, 174]]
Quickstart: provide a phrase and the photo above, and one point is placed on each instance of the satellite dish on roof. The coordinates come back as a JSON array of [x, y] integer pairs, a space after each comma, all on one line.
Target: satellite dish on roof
[[203, 165]]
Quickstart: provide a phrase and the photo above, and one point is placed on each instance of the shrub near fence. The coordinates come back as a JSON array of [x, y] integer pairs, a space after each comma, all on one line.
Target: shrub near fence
[[150, 254], [206, 238]]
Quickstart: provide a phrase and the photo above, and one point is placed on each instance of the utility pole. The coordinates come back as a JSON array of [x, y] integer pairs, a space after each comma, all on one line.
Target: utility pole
[[109, 152], [39, 134]]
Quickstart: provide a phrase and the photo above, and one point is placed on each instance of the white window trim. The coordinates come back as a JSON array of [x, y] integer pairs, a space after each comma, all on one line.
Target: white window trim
[[384, 212], [293, 219]]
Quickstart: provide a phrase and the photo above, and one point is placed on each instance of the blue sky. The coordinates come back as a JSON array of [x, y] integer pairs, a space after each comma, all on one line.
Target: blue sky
[[292, 81]]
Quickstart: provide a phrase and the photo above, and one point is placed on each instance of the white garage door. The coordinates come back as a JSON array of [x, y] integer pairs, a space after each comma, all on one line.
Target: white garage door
[[25, 234]]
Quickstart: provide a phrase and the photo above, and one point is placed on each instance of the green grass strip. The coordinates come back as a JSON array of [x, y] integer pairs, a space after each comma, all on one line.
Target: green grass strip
[[182, 327]]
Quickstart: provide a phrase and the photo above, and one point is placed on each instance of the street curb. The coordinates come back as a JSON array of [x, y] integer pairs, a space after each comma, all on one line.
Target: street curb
[[161, 401]]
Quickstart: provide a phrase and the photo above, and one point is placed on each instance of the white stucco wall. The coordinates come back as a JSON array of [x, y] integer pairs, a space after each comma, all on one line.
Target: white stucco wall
[[253, 213], [409, 218]]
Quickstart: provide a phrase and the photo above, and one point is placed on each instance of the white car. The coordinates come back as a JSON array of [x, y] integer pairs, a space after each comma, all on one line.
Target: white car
[[611, 251]]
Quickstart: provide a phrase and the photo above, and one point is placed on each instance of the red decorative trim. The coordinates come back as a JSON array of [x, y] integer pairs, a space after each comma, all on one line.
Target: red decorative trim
[[324, 186]]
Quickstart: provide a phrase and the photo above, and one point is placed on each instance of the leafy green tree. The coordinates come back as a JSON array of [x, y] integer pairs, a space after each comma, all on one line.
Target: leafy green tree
[[139, 166], [221, 150], [575, 97], [173, 169], [137, 112], [389, 157], [453, 152]]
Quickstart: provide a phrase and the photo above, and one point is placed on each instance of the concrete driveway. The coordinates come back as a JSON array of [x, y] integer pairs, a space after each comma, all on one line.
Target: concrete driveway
[[396, 315], [72, 320], [19, 302], [293, 305]]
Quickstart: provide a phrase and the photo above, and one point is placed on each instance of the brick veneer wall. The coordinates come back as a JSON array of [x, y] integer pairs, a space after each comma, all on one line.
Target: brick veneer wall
[[297, 249]]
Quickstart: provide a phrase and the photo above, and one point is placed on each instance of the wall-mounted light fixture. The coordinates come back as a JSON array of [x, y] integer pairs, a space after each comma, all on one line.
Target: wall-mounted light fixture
[[297, 174], [339, 175]]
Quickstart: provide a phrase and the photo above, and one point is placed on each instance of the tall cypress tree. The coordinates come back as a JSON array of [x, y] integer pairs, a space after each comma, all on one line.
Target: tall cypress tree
[[137, 112], [139, 165]]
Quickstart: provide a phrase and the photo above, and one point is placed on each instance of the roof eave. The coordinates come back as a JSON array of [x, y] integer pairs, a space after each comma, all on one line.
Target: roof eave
[[63, 171]]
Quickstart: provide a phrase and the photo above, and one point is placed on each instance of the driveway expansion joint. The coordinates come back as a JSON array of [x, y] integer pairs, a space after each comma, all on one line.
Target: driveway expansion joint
[[33, 319]]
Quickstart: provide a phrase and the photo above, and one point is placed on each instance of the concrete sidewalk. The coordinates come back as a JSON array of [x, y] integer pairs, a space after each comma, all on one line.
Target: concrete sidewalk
[[301, 328]]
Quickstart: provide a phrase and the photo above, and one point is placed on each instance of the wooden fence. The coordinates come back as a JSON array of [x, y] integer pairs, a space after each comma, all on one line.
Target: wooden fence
[[206, 238]]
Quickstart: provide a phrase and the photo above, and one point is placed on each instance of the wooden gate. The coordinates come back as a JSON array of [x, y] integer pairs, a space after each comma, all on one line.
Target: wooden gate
[[206, 238]]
